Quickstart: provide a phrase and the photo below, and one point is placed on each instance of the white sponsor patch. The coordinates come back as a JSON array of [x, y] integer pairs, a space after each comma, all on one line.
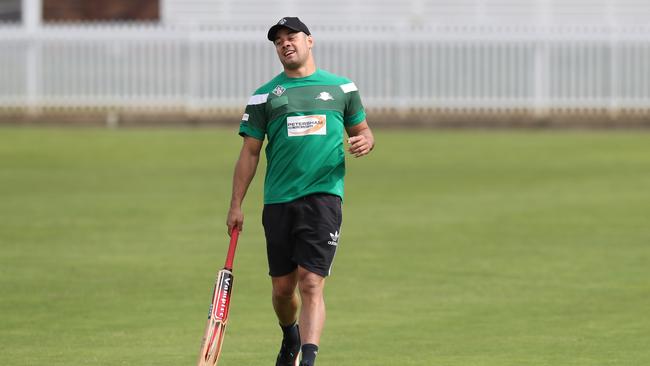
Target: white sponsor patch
[[350, 87], [258, 99], [245, 117], [307, 125]]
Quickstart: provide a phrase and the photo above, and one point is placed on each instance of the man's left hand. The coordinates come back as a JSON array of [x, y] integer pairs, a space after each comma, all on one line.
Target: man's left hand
[[359, 145]]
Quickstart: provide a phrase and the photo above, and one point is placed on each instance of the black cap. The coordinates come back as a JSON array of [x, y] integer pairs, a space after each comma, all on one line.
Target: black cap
[[292, 23]]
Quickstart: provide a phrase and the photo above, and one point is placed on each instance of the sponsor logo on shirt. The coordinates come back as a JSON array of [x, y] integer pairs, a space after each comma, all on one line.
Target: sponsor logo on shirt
[[279, 90], [307, 125], [324, 96], [245, 117]]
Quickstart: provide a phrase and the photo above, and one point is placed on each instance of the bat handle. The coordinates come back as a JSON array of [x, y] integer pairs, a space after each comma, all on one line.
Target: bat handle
[[234, 235]]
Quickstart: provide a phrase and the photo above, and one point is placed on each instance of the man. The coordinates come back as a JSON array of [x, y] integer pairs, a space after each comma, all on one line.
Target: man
[[303, 112]]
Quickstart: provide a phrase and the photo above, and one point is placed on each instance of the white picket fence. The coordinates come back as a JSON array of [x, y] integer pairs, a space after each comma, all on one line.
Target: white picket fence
[[213, 69]]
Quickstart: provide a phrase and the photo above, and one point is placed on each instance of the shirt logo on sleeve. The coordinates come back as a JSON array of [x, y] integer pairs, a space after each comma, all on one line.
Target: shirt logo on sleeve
[[258, 99], [245, 117], [307, 125], [349, 87], [279, 90]]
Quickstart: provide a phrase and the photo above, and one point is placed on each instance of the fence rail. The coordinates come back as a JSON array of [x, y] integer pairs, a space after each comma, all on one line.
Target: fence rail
[[210, 69]]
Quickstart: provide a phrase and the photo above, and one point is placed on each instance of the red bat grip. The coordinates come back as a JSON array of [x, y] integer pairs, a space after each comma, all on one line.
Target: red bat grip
[[234, 235]]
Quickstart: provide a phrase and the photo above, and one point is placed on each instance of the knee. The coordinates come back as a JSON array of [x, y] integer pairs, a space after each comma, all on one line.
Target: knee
[[284, 287], [283, 292], [310, 285]]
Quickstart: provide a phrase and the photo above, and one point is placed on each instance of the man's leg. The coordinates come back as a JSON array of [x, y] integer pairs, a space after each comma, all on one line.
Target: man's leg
[[285, 304], [285, 300], [312, 313]]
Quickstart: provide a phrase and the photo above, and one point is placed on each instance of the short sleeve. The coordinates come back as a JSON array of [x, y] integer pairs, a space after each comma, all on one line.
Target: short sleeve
[[253, 122], [354, 112]]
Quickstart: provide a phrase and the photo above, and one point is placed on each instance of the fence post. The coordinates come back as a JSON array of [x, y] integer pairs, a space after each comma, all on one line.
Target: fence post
[[403, 48], [542, 61], [541, 78], [193, 70], [614, 73], [31, 13]]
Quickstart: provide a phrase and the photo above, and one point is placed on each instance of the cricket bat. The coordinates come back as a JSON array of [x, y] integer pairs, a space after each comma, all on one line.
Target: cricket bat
[[218, 312]]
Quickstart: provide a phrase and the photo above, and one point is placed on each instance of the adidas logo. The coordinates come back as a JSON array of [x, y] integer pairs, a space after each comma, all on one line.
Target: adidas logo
[[335, 238]]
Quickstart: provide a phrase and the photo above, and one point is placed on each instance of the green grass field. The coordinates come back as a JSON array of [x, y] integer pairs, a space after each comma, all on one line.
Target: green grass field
[[457, 249]]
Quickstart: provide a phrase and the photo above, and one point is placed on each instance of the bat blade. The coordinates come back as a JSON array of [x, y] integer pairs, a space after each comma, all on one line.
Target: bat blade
[[217, 319], [218, 311]]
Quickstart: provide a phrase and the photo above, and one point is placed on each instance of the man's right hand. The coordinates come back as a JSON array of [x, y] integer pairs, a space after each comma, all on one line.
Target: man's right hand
[[235, 219]]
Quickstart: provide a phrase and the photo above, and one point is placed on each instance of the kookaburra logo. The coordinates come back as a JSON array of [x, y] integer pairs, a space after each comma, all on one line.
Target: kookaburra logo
[[335, 238]]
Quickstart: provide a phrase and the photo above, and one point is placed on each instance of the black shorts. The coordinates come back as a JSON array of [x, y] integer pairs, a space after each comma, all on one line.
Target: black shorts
[[304, 232]]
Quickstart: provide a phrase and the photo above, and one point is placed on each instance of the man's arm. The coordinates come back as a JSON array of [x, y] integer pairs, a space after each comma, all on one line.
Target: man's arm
[[244, 172], [360, 139]]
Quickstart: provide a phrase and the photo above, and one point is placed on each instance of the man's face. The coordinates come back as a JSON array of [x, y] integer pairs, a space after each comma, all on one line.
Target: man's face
[[293, 48]]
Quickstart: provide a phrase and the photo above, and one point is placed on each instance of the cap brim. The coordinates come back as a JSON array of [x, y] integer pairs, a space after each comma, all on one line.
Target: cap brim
[[274, 30]]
